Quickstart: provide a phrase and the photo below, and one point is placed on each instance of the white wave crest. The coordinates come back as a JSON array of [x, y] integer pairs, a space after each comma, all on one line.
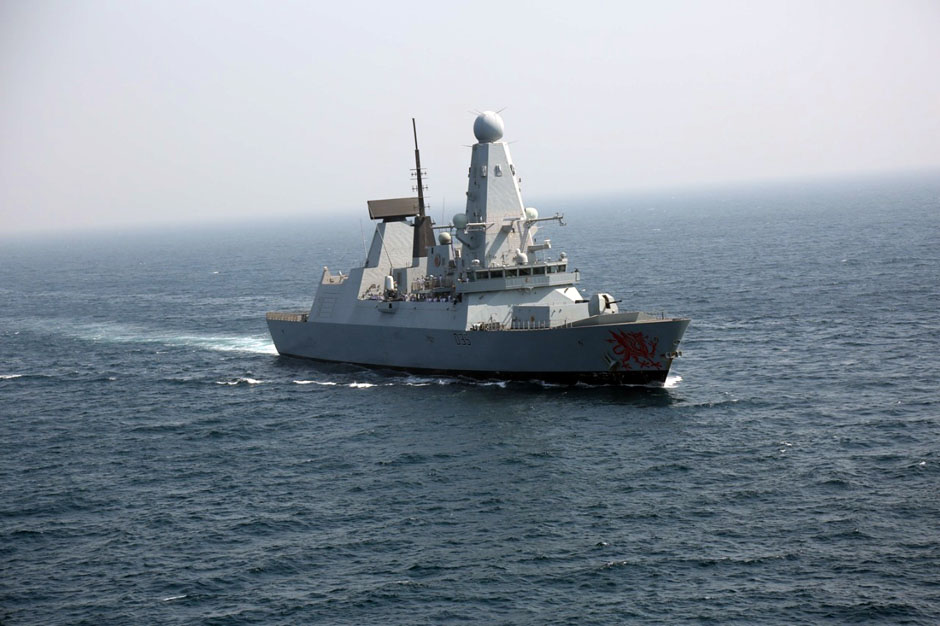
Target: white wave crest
[[325, 383], [239, 381], [422, 381], [672, 381], [10, 376]]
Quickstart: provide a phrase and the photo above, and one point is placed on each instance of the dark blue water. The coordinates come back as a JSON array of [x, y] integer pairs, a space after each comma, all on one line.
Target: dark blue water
[[159, 464]]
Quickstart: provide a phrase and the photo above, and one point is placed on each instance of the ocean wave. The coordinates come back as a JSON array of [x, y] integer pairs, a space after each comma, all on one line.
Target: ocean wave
[[425, 381], [240, 381], [421, 381], [10, 376]]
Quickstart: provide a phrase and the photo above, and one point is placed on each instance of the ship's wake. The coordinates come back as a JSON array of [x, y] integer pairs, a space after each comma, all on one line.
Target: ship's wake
[[408, 381], [356, 381], [110, 332]]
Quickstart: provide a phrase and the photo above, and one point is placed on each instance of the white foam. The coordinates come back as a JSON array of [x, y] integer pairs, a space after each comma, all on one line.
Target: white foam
[[256, 345], [361, 385], [171, 598], [421, 381], [238, 381], [126, 333], [10, 376], [672, 381], [314, 382]]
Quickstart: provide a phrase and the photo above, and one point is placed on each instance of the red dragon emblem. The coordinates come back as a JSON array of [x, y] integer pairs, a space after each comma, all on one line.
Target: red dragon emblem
[[635, 347]]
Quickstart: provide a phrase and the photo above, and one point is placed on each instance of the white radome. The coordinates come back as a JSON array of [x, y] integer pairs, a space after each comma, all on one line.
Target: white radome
[[460, 221], [444, 238], [531, 214], [488, 127]]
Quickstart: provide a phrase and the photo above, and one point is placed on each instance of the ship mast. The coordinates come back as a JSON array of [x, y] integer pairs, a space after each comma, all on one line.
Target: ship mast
[[424, 235], [414, 128]]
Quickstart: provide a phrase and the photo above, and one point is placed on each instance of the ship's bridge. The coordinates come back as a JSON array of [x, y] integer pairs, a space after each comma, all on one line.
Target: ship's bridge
[[501, 278]]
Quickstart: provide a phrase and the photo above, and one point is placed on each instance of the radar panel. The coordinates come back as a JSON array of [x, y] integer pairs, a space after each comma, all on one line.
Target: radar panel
[[393, 208]]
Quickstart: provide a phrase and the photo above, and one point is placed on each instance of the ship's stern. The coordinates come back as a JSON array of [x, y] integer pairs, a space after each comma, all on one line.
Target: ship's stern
[[285, 328]]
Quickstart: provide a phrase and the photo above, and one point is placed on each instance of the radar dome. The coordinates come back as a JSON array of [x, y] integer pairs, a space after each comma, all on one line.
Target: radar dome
[[531, 214], [460, 220], [444, 238], [488, 127]]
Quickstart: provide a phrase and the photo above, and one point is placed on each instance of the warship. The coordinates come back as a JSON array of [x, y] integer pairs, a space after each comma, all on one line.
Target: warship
[[487, 298]]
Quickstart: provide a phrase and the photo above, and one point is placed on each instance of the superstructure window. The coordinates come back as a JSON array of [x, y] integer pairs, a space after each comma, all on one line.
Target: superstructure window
[[497, 170]]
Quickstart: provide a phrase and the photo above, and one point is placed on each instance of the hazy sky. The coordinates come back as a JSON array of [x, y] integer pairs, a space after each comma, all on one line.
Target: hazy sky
[[123, 112]]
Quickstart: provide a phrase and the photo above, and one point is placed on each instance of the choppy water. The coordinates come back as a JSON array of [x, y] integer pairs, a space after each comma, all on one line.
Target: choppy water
[[160, 464]]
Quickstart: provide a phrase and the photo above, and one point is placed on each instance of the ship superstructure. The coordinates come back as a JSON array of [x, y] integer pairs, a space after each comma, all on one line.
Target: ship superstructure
[[488, 298]]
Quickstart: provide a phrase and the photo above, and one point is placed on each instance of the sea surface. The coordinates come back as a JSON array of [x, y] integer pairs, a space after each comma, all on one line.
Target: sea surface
[[160, 464]]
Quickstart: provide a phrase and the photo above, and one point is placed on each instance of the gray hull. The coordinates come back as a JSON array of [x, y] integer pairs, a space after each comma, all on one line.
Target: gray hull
[[627, 353]]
